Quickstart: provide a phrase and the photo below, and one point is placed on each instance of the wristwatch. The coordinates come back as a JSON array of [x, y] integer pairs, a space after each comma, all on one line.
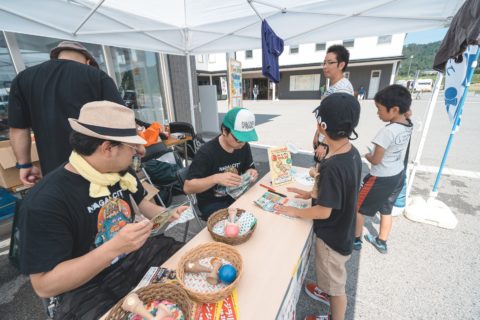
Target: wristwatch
[[23, 166]]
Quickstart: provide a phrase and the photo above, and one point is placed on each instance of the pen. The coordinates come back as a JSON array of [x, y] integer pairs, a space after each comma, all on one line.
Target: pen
[[273, 190]]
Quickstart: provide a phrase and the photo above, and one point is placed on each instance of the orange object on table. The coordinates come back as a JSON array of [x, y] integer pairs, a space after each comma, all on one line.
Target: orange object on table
[[151, 133]]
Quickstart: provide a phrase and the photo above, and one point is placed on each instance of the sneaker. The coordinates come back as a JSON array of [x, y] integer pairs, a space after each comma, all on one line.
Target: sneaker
[[381, 247], [318, 317], [357, 244], [316, 293]]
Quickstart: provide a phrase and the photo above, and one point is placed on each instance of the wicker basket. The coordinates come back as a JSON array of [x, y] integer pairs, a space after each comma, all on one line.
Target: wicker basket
[[220, 215], [211, 249], [157, 291]]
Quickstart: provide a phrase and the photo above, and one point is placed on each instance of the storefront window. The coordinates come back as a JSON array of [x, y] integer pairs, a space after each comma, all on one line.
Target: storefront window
[[36, 50], [138, 78], [7, 73]]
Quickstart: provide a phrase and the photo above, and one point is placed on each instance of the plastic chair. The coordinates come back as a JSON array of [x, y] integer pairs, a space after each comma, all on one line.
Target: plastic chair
[[192, 199]]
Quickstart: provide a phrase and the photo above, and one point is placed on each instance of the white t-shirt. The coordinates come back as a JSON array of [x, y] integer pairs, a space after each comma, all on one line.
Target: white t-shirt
[[342, 85], [394, 138]]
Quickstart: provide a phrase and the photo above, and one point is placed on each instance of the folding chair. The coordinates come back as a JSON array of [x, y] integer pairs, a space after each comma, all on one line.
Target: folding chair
[[187, 129], [153, 152], [192, 199]]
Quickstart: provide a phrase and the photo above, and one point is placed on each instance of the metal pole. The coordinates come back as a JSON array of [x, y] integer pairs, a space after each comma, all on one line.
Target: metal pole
[[190, 90], [409, 65], [431, 108]]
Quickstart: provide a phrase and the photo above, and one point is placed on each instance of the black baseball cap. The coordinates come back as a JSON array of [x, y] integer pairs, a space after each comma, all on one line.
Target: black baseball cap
[[340, 112], [74, 46]]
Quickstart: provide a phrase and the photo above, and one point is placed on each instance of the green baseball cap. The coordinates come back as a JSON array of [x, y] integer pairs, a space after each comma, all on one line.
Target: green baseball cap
[[241, 123]]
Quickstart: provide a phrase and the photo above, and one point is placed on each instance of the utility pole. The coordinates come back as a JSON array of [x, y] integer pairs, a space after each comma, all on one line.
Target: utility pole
[[409, 65]]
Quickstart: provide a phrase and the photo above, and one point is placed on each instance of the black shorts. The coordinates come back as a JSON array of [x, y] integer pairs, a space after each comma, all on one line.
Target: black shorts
[[378, 194], [95, 298]]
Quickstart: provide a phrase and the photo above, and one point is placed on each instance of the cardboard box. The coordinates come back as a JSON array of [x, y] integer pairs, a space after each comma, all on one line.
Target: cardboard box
[[8, 173]]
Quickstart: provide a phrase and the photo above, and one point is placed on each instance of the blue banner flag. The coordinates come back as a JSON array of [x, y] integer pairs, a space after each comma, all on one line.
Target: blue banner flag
[[458, 75]]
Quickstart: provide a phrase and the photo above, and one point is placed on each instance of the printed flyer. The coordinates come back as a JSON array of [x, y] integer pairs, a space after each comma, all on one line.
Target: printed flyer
[[280, 161]]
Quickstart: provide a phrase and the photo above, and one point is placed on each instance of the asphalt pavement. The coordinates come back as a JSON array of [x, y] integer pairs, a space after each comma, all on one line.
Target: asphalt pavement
[[428, 273]]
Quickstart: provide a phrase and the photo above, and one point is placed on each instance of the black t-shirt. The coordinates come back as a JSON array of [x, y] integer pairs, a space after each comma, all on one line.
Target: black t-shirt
[[43, 97], [212, 159], [59, 221], [338, 189]]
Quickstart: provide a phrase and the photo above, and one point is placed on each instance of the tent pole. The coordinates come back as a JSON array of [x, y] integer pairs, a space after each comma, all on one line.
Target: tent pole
[[190, 91], [456, 123], [254, 9], [431, 108], [92, 11]]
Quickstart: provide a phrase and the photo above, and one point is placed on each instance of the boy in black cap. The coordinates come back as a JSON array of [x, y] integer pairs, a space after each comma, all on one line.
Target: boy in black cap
[[334, 213]]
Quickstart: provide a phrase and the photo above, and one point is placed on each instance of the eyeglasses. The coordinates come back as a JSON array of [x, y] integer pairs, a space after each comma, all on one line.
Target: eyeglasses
[[329, 63], [130, 146]]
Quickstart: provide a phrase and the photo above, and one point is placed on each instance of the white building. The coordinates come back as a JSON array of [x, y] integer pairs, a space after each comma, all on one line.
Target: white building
[[373, 64]]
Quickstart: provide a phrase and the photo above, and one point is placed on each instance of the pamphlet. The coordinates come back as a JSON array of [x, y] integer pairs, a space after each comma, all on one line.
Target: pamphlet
[[157, 275], [162, 218], [269, 199], [237, 191], [280, 162]]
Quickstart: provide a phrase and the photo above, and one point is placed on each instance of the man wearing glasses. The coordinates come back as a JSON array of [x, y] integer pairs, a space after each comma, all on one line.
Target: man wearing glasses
[[334, 65], [220, 162], [79, 242]]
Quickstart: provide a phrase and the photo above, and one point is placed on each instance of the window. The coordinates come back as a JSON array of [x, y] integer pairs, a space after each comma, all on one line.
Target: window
[[212, 58], [35, 50], [137, 74], [294, 49], [346, 74], [305, 82], [384, 39], [7, 73], [248, 54], [320, 46], [349, 43], [200, 58]]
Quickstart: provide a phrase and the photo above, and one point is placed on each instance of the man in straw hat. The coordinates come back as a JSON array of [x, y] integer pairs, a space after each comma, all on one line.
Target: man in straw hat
[[43, 97], [78, 241]]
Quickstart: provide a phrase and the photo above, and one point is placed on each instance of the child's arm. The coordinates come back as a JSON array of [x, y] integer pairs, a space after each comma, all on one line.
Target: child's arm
[[377, 155], [302, 194], [315, 212]]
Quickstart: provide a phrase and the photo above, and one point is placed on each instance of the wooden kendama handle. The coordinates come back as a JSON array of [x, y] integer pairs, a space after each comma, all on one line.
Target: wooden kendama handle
[[196, 267], [232, 213], [133, 304], [212, 277]]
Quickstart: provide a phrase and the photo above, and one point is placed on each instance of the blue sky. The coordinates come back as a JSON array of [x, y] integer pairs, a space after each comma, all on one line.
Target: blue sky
[[427, 36]]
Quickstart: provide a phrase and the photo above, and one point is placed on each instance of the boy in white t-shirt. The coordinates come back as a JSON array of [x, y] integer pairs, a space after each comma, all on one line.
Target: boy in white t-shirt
[[382, 185]]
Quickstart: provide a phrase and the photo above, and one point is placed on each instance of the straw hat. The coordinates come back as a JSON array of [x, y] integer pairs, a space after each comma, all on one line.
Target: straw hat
[[108, 121], [75, 46]]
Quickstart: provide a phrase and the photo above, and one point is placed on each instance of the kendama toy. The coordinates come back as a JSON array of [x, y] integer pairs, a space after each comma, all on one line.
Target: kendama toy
[[196, 267], [212, 277], [227, 273], [231, 228], [133, 304]]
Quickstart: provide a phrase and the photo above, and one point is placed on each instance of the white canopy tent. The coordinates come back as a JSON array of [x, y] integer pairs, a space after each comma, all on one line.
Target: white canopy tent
[[204, 26]]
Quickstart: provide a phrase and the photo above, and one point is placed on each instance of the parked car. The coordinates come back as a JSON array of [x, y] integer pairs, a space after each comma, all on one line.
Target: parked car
[[423, 85]]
